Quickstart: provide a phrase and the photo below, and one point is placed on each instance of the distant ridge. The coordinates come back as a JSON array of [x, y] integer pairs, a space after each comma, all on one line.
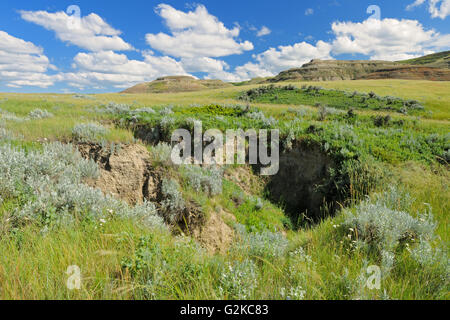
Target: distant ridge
[[174, 84], [437, 60], [331, 70], [435, 67]]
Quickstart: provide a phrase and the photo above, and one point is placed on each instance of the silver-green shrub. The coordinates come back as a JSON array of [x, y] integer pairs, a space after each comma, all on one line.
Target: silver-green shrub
[[263, 244], [5, 135], [173, 204], [385, 225], [40, 114], [89, 132], [166, 123], [166, 111], [239, 280], [162, 154], [144, 110], [426, 255], [385, 228], [9, 116], [260, 116], [208, 179], [50, 184], [116, 109]]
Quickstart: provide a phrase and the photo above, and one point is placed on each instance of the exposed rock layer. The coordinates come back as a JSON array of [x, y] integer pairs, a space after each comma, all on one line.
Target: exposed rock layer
[[331, 70]]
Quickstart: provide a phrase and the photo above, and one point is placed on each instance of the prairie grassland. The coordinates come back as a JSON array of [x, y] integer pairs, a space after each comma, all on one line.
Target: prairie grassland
[[272, 256]]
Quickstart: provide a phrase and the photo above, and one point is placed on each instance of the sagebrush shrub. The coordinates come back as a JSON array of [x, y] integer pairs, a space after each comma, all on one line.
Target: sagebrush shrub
[[260, 116], [89, 132], [166, 111], [173, 204], [116, 109], [293, 293], [208, 179], [166, 123], [384, 226], [162, 154], [263, 244], [426, 255], [144, 110], [50, 184], [9, 116], [5, 135], [83, 96], [239, 280], [40, 114]]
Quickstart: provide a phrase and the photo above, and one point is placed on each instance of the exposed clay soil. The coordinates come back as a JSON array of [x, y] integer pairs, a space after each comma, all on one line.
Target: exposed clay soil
[[215, 235], [245, 178], [124, 174], [127, 174]]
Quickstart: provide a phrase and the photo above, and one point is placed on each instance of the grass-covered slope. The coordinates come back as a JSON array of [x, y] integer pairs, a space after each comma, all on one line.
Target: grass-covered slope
[[436, 60], [226, 233], [176, 84], [315, 95]]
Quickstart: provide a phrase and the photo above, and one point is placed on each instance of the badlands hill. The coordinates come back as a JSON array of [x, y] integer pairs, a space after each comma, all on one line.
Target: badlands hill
[[433, 67], [175, 84]]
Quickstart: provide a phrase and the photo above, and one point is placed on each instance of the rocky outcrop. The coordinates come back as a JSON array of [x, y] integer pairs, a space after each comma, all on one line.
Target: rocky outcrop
[[330, 70]]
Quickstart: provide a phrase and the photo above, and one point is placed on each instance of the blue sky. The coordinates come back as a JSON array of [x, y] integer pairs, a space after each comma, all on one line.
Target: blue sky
[[115, 44]]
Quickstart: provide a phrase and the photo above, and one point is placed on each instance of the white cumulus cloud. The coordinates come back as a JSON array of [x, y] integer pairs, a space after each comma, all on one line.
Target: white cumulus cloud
[[110, 68], [241, 73], [195, 34], [275, 60], [203, 64], [293, 56], [388, 39], [22, 63], [263, 32], [90, 32], [437, 8]]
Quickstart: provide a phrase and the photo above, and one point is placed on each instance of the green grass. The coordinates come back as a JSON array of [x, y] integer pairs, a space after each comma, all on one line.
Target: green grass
[[314, 95], [122, 259], [435, 60]]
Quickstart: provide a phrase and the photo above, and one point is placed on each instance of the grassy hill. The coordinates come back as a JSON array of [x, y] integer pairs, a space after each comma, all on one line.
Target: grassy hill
[[436, 60], [174, 84]]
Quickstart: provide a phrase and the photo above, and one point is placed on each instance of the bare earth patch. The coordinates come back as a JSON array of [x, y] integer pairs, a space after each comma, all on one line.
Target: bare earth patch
[[127, 174]]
